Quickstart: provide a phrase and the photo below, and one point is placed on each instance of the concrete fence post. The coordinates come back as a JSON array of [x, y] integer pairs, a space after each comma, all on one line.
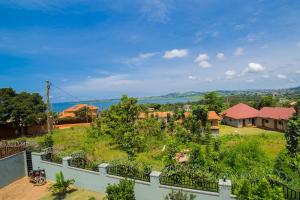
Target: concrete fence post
[[65, 169], [65, 161], [225, 189], [155, 192], [103, 177], [103, 169]]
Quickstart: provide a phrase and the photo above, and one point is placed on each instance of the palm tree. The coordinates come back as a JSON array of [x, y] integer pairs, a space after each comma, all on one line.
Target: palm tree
[[61, 186]]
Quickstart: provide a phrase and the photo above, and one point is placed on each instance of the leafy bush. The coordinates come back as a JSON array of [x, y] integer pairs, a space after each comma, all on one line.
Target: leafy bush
[[260, 191], [288, 168], [179, 195], [47, 141], [122, 191], [61, 185], [293, 136]]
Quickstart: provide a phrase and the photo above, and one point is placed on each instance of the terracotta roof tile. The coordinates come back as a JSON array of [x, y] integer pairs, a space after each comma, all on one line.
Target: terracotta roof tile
[[212, 115], [276, 113], [240, 111]]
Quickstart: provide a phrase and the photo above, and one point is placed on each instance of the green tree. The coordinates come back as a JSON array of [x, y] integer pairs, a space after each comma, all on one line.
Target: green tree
[[179, 195], [6, 104], [148, 127], [265, 101], [293, 136], [197, 157], [122, 191], [200, 113], [214, 102], [83, 113], [262, 191], [61, 186], [28, 109], [183, 135]]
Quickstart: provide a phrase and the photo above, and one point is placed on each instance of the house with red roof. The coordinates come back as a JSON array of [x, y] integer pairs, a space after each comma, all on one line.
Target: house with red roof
[[275, 118], [71, 112], [240, 115], [214, 120]]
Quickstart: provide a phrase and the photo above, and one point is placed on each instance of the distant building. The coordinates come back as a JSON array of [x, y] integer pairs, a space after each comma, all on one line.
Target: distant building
[[214, 120], [240, 115], [274, 118], [70, 112], [187, 108]]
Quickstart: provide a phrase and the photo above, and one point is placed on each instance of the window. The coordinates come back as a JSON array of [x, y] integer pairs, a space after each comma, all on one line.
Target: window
[[280, 122]]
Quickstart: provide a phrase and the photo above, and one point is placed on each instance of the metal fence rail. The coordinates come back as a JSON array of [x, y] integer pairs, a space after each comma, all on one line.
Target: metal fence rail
[[128, 172], [50, 157], [10, 148], [83, 164], [189, 181], [289, 193]]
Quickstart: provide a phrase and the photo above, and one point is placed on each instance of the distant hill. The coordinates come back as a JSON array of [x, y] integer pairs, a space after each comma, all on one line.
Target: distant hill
[[199, 95]]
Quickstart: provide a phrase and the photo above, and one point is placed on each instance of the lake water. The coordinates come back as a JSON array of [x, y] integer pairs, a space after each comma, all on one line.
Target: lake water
[[59, 107]]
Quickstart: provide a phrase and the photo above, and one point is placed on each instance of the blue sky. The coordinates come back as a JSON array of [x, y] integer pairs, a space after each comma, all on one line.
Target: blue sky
[[101, 49]]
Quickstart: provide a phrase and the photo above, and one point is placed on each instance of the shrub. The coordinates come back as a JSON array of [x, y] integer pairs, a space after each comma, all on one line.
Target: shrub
[[47, 141], [179, 195], [288, 168], [261, 191], [122, 191], [61, 186]]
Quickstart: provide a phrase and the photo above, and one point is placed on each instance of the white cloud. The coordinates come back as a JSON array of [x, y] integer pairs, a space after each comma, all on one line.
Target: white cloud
[[281, 76], [205, 64], [266, 76], [147, 55], [254, 68], [192, 77], [140, 58], [250, 80], [176, 53], [230, 74], [220, 56], [298, 72], [239, 51], [202, 60], [202, 57]]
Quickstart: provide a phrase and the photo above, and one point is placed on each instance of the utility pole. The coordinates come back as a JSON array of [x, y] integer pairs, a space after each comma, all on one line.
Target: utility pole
[[48, 106]]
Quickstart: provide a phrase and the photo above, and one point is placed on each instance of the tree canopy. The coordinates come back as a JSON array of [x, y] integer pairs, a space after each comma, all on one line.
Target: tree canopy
[[21, 109]]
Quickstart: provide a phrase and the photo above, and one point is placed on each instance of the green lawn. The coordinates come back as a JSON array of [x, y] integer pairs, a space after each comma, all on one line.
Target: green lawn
[[76, 194]]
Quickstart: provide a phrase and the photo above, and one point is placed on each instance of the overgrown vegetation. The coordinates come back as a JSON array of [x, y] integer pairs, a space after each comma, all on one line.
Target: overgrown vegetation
[[122, 191], [179, 195]]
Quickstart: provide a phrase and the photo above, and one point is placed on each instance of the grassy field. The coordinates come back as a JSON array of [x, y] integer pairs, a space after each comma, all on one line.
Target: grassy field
[[272, 142], [75, 139], [76, 194]]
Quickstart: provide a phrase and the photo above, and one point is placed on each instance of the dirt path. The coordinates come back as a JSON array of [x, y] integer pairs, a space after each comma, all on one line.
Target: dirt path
[[23, 190]]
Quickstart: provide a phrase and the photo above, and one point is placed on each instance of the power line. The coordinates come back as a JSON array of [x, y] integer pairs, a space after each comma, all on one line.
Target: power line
[[62, 90], [65, 92]]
